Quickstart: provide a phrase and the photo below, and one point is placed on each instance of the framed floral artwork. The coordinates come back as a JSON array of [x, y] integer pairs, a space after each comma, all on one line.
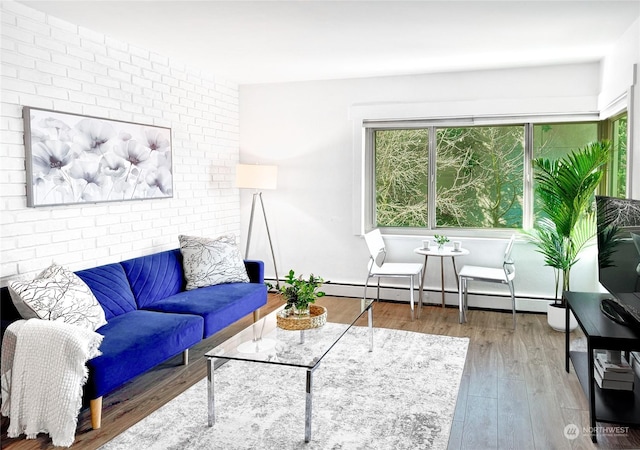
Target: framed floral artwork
[[74, 159]]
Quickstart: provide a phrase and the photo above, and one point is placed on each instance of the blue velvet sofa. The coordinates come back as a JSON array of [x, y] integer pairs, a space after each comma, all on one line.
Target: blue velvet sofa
[[151, 318]]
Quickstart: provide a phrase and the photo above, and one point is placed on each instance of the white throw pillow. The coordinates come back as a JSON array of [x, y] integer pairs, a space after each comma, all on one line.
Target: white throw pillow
[[58, 294], [207, 262]]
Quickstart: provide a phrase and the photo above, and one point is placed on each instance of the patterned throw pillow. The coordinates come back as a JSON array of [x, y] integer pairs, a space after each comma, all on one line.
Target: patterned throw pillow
[[207, 262], [58, 294]]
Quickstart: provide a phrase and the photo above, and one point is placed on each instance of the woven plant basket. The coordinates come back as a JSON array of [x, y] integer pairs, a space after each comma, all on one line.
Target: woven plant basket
[[316, 318]]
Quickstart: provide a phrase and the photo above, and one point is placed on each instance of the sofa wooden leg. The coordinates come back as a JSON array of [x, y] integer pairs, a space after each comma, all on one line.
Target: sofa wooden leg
[[185, 357], [256, 315], [95, 406]]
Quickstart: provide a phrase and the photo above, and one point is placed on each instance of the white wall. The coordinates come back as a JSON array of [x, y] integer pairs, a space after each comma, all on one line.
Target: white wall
[[621, 88], [616, 70], [311, 131], [52, 64]]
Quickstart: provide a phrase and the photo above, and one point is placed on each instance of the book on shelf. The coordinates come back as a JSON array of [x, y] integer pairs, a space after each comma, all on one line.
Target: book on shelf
[[623, 366], [612, 375], [613, 384]]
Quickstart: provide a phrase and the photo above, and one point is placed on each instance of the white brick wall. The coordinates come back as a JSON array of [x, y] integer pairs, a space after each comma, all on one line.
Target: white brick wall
[[53, 64]]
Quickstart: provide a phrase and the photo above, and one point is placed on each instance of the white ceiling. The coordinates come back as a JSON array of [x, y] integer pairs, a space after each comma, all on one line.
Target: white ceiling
[[274, 41]]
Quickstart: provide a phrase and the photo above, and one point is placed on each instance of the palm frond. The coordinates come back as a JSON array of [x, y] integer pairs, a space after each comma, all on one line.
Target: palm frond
[[566, 186], [583, 232], [550, 244]]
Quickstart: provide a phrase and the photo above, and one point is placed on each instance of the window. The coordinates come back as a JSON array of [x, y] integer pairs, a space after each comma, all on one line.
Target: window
[[616, 179], [479, 173], [557, 140], [447, 174], [401, 173]]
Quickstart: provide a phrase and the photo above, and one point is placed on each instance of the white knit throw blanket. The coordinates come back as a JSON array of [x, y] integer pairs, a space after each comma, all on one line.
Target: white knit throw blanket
[[43, 369]]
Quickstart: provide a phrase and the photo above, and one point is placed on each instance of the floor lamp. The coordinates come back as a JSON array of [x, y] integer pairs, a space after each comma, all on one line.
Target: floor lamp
[[255, 176]]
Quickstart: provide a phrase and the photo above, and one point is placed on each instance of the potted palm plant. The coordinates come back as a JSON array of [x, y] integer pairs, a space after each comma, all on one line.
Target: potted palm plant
[[566, 189]]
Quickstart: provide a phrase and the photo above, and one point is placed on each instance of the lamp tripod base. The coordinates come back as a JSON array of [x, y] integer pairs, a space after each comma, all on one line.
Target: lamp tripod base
[[256, 196]]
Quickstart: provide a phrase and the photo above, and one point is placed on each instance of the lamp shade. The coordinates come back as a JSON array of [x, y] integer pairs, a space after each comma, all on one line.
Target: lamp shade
[[256, 176]]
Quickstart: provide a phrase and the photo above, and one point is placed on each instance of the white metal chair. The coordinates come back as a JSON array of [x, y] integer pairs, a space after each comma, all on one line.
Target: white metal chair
[[378, 268], [503, 275]]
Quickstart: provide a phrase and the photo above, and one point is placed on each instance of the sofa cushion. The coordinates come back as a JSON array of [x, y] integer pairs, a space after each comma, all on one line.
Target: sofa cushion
[[207, 262], [110, 286], [58, 294], [154, 277], [137, 341], [218, 305]]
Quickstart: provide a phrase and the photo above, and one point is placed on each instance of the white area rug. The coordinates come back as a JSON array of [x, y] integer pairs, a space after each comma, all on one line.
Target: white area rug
[[400, 396]]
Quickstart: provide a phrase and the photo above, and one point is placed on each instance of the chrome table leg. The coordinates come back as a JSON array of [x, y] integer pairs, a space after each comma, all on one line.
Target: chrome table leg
[[308, 404], [370, 322], [210, 392]]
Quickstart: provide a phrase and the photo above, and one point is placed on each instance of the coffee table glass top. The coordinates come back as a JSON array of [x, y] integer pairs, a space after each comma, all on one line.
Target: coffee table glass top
[[265, 342]]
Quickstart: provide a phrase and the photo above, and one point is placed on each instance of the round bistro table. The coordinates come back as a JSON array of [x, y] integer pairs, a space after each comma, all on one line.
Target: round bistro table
[[441, 253]]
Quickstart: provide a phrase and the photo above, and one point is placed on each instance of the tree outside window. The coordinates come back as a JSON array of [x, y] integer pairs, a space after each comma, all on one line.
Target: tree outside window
[[401, 174], [479, 173], [617, 174], [479, 177]]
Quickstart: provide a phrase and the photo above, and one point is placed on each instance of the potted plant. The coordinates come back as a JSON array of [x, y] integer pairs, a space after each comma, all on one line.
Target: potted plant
[[300, 292], [441, 239], [566, 189]]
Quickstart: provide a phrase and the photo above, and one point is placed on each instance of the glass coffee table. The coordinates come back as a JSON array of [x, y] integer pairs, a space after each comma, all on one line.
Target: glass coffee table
[[264, 342]]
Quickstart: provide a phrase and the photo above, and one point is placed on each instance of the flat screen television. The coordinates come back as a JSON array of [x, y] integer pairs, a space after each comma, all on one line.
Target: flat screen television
[[618, 234]]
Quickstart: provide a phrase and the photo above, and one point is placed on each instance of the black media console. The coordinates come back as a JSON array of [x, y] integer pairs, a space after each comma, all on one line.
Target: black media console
[[619, 407]]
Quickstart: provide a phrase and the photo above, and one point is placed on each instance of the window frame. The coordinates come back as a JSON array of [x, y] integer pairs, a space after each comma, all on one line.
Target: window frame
[[527, 121], [607, 132]]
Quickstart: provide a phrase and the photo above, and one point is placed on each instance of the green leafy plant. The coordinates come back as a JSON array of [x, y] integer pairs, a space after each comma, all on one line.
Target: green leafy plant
[[566, 188], [441, 239], [608, 235], [300, 292]]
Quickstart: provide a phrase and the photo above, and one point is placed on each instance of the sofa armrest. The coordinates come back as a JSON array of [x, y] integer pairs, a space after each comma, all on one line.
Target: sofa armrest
[[9, 312], [255, 270]]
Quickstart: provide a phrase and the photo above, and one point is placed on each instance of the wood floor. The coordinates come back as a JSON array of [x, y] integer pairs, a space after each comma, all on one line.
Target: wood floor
[[515, 393]]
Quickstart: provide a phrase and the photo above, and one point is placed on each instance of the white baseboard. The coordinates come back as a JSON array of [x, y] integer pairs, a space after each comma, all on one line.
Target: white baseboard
[[433, 297]]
